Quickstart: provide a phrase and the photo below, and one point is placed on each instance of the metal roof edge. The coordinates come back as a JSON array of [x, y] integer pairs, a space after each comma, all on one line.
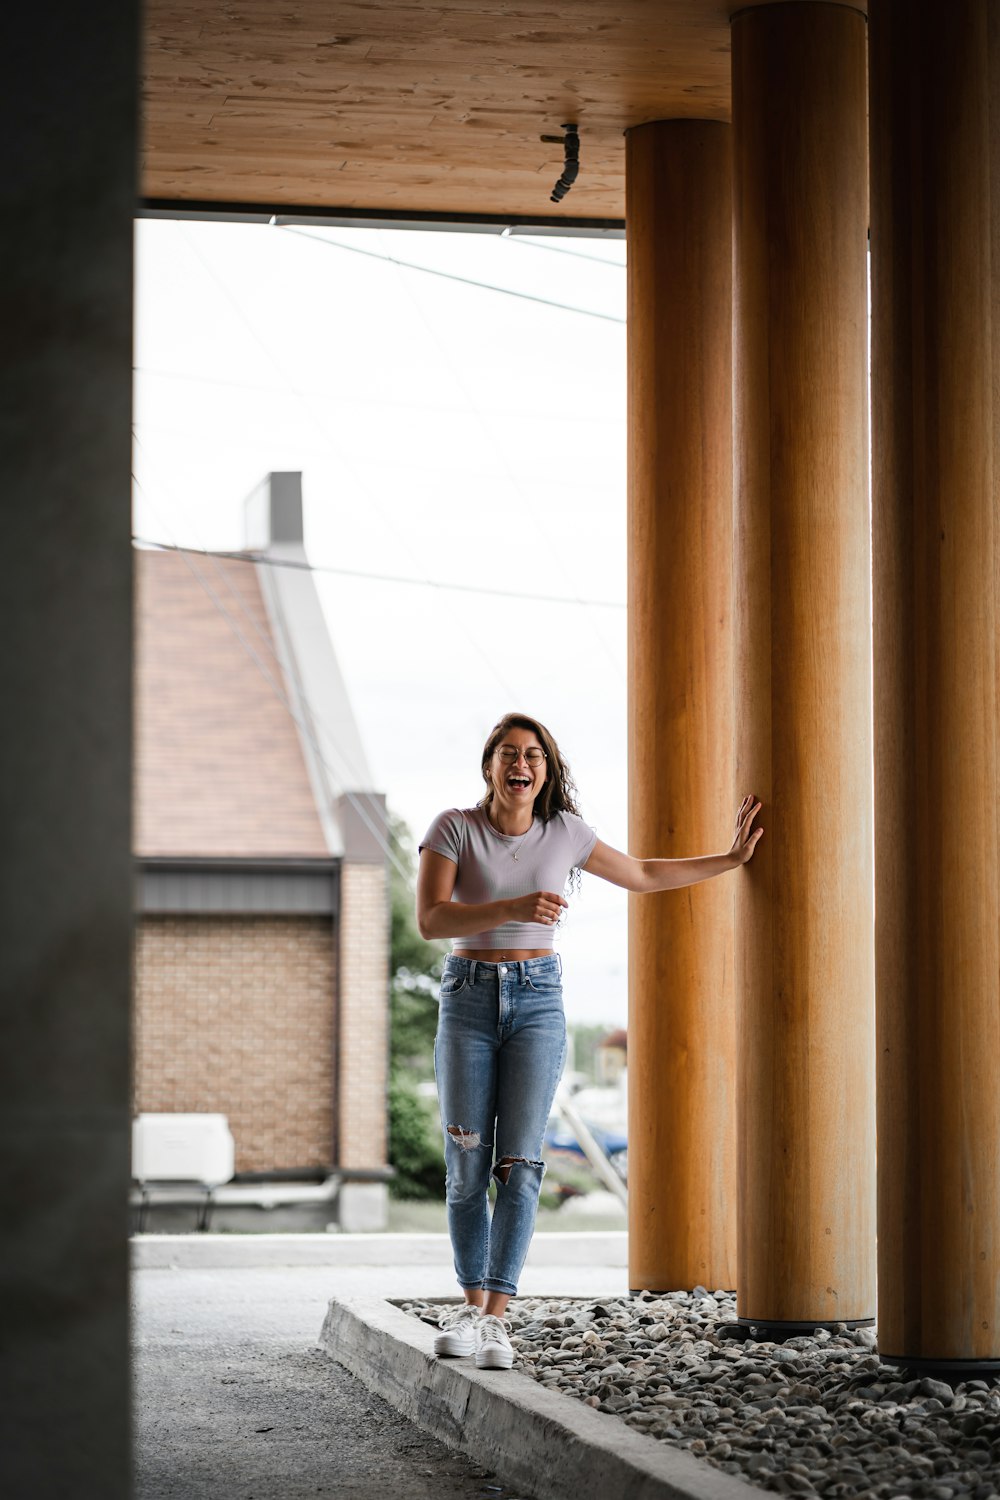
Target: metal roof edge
[[378, 218]]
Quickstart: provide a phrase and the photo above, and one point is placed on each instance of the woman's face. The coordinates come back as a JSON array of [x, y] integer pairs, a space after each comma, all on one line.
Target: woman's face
[[516, 780]]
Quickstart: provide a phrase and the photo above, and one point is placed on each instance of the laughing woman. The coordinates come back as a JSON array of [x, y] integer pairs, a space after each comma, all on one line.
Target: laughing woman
[[492, 879]]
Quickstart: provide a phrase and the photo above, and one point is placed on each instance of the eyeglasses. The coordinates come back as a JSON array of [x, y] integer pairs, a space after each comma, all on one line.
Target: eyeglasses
[[509, 754]]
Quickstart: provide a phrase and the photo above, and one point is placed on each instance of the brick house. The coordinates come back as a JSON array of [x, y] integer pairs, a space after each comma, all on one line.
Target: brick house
[[261, 974]]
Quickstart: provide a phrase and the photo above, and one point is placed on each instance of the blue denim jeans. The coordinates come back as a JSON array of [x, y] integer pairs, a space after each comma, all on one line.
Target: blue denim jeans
[[498, 1056]]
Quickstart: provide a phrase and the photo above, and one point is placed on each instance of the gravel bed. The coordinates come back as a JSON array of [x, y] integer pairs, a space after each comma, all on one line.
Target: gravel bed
[[812, 1416]]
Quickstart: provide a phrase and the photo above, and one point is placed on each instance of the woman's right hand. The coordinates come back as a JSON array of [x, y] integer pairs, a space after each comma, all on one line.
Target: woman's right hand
[[541, 906]]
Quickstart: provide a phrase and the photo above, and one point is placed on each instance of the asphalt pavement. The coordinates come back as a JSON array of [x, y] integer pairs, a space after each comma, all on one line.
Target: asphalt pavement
[[234, 1401]]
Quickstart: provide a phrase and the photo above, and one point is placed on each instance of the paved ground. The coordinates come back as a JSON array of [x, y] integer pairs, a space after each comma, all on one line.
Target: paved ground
[[234, 1402]]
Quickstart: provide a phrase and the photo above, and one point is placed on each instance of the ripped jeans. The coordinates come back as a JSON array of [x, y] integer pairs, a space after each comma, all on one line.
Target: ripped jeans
[[498, 1056]]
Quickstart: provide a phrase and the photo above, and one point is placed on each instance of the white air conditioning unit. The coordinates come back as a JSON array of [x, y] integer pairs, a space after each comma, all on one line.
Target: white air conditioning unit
[[183, 1148]]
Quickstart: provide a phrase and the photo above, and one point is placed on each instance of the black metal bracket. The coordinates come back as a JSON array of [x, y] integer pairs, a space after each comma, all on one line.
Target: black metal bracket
[[200, 1194], [952, 1371], [571, 166], [756, 1331]]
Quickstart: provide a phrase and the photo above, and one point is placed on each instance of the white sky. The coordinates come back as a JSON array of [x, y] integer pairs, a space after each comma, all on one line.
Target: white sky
[[444, 432]]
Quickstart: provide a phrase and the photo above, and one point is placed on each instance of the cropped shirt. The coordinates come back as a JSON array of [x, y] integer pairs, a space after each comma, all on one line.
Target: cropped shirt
[[489, 871]]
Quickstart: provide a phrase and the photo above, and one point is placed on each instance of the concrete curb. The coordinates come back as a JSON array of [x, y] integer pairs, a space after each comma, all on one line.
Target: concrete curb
[[230, 1251], [553, 1446]]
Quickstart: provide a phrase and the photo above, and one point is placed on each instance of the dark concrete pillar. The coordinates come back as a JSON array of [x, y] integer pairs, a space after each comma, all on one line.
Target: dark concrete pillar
[[935, 125], [68, 109], [804, 947], [682, 1030]]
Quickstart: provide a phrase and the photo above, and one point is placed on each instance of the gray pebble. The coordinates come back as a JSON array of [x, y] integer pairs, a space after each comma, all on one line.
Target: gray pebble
[[819, 1415], [938, 1389]]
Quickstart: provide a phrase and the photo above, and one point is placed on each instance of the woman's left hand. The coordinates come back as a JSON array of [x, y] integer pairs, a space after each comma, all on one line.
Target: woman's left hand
[[746, 836]]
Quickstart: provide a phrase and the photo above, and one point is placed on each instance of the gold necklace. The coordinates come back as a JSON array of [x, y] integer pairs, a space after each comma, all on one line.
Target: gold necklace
[[500, 833]]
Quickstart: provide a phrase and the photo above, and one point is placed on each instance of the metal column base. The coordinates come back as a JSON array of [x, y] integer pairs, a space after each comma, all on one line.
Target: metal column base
[[757, 1331], [952, 1371]]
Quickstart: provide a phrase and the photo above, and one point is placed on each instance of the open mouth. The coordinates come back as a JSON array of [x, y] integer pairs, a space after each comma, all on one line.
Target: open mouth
[[517, 783]]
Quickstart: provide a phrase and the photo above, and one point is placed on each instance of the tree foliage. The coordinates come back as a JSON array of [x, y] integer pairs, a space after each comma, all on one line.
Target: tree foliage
[[586, 1042], [415, 1148]]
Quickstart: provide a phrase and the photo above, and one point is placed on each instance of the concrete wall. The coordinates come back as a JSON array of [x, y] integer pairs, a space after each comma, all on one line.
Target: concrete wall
[[68, 115]]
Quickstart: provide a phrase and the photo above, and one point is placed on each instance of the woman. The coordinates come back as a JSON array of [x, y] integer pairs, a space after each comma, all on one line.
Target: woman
[[491, 878]]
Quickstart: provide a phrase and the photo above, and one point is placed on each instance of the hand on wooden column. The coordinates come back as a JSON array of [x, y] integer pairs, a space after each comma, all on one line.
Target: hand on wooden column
[[745, 838]]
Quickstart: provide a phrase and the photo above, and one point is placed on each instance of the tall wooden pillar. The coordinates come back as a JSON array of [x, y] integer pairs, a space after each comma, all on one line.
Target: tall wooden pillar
[[804, 944], [681, 787], [935, 120]]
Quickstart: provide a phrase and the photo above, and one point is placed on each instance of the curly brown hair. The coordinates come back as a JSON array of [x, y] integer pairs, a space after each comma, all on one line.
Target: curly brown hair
[[559, 792]]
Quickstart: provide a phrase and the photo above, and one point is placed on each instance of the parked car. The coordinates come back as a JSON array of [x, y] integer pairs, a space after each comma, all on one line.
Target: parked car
[[614, 1143]]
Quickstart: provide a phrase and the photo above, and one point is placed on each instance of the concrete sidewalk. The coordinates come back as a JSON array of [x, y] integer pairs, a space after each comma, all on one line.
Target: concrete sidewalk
[[233, 1398], [557, 1252]]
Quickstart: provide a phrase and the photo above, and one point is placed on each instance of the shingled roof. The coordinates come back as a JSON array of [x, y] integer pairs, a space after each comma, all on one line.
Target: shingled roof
[[219, 769], [242, 718]]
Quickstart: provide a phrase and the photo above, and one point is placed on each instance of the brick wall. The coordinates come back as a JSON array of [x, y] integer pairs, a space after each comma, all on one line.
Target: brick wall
[[236, 1015], [364, 1013]]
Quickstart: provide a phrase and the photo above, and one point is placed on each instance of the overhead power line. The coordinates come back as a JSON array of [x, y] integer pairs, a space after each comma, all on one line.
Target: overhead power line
[[306, 726], [294, 389], [597, 260], [486, 286], [261, 559], [356, 471]]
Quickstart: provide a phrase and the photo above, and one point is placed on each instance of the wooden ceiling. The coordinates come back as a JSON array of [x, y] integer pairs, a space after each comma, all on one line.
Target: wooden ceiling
[[426, 107]]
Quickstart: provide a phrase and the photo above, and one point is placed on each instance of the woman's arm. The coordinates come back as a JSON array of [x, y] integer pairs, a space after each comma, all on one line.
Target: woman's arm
[[438, 916], [645, 875]]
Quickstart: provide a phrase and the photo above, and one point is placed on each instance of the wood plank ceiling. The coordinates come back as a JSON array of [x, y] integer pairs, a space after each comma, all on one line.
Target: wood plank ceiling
[[431, 106]]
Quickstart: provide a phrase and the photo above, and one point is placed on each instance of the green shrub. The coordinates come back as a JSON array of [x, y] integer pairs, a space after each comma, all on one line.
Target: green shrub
[[415, 1146]]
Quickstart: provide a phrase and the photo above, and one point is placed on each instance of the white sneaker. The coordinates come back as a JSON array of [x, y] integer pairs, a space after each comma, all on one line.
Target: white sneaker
[[458, 1331], [494, 1351]]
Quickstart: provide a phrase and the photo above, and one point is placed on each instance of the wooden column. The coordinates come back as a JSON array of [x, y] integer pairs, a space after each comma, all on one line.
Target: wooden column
[[681, 791], [935, 117], [804, 943]]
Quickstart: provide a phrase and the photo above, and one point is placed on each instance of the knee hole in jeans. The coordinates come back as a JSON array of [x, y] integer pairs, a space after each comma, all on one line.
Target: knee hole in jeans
[[467, 1139], [505, 1165]]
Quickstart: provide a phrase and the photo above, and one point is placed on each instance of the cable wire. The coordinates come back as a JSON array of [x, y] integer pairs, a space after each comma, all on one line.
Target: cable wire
[[500, 453], [291, 385], [486, 286], [261, 559], [529, 244], [359, 480], [305, 728]]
